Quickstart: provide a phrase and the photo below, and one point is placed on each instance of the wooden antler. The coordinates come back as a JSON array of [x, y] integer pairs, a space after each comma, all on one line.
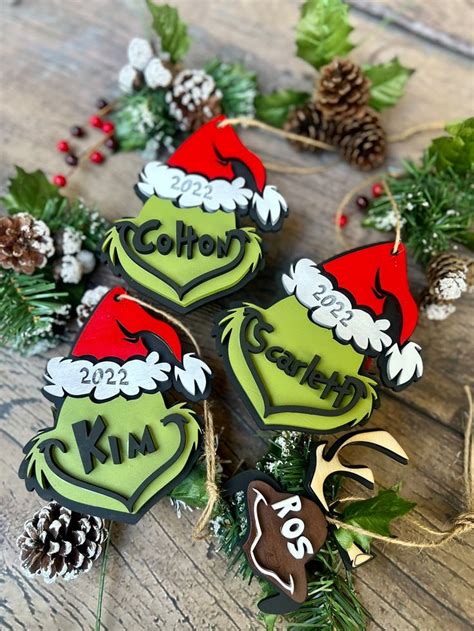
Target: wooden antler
[[325, 463]]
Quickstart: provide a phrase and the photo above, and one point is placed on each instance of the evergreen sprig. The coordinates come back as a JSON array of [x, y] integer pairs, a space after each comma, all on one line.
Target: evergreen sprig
[[29, 309], [436, 208]]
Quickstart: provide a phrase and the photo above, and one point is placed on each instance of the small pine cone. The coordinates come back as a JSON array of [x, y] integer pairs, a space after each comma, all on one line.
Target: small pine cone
[[60, 542], [433, 307], [447, 276], [343, 89], [193, 99], [362, 140], [88, 302], [308, 121], [25, 243]]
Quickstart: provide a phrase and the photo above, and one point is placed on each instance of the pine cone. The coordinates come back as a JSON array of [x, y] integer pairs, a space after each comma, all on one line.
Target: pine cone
[[193, 99], [309, 121], [343, 89], [433, 307], [362, 140], [60, 542], [447, 276], [88, 302], [25, 243]]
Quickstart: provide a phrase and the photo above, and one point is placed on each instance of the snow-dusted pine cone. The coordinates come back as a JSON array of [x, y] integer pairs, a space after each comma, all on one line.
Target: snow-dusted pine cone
[[88, 301], [193, 99], [343, 89], [433, 307], [308, 121], [60, 542], [448, 276], [362, 140], [25, 243]]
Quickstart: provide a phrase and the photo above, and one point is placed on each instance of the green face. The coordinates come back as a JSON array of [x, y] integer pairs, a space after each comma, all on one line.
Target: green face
[[183, 257], [292, 372], [115, 458]]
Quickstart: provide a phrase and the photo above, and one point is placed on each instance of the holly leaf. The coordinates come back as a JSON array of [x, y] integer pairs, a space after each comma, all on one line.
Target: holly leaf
[[29, 192], [173, 33], [388, 83], [323, 31], [274, 108], [374, 514], [457, 150]]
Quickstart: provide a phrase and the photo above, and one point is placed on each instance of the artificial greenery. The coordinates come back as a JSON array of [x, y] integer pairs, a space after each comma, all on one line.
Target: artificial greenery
[[30, 306], [322, 34], [171, 30], [455, 151], [332, 603], [237, 84], [436, 205], [142, 116], [323, 31], [33, 309], [388, 82], [274, 108]]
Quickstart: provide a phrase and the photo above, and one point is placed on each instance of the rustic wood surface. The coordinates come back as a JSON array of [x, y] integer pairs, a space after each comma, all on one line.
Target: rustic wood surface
[[57, 58]]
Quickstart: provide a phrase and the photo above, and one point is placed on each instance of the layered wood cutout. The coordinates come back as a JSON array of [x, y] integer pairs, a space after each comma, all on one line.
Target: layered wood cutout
[[116, 446], [285, 531], [299, 364], [186, 247], [325, 462]]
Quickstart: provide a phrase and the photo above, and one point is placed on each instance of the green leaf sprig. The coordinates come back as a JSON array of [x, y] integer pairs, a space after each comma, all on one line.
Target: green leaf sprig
[[388, 83], [323, 31], [171, 30], [274, 108]]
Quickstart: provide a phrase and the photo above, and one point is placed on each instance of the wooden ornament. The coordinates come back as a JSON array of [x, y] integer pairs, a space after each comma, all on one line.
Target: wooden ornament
[[186, 247], [116, 447], [285, 532], [325, 462], [300, 363]]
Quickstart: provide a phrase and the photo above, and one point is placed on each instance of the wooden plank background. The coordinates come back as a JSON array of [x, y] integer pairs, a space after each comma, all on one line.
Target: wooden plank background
[[57, 58]]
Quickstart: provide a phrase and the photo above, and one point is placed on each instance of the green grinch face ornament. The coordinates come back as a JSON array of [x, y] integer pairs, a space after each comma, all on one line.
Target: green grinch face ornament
[[301, 363], [186, 247], [117, 446]]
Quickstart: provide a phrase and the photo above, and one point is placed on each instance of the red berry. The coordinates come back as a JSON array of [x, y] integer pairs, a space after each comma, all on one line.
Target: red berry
[[342, 220], [95, 121], [59, 180], [77, 131], [377, 189], [63, 146], [108, 127], [96, 157], [362, 202], [112, 144]]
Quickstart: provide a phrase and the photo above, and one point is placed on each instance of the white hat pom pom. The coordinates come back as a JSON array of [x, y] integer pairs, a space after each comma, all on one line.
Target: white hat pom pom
[[269, 208], [192, 377], [402, 366]]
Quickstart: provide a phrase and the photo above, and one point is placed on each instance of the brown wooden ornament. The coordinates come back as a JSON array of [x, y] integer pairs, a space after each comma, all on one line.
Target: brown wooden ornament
[[286, 531]]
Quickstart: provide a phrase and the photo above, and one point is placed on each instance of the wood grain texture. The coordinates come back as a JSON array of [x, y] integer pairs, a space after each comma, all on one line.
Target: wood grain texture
[[57, 58]]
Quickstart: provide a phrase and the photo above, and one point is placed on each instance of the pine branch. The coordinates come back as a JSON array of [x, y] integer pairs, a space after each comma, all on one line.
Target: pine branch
[[437, 209], [29, 307]]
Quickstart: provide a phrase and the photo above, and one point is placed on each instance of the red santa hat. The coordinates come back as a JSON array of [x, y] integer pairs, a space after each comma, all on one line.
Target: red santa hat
[[124, 350], [213, 170], [364, 297]]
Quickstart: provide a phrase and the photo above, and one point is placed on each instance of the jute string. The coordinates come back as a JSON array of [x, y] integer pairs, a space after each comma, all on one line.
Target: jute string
[[460, 525], [357, 189], [212, 490]]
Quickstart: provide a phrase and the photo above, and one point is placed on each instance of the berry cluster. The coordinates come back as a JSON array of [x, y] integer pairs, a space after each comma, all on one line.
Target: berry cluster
[[362, 203], [93, 154]]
